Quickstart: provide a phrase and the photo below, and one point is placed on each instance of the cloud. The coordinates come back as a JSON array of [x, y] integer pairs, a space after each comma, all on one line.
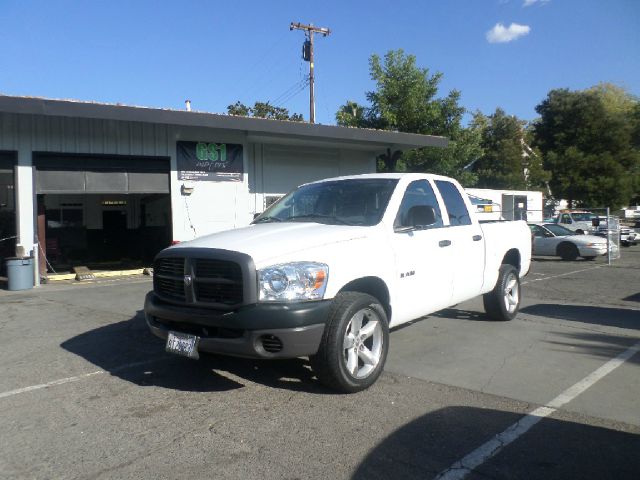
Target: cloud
[[528, 3], [502, 34]]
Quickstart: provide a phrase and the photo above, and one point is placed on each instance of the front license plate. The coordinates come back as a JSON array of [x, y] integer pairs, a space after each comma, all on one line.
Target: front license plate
[[182, 344]]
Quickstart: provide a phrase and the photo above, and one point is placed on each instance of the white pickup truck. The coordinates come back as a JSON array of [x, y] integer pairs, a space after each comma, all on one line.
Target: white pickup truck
[[329, 268]]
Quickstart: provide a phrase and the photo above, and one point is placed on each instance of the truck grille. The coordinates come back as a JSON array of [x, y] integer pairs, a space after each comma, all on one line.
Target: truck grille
[[168, 287], [199, 281]]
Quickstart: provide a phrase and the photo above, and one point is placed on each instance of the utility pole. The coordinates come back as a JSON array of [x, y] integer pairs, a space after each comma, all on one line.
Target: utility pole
[[307, 55]]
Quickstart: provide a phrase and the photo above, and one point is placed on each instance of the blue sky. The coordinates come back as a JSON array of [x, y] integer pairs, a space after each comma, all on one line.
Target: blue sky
[[159, 53]]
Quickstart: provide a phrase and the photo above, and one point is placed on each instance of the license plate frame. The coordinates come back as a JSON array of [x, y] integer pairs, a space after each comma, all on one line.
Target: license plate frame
[[183, 344]]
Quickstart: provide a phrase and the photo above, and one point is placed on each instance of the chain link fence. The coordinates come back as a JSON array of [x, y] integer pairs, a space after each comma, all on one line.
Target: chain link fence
[[598, 222]]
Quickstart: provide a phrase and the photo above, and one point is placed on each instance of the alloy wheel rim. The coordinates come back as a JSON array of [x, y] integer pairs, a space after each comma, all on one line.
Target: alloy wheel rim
[[511, 293], [363, 342]]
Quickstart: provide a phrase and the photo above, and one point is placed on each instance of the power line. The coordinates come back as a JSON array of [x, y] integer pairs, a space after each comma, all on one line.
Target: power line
[[292, 95]]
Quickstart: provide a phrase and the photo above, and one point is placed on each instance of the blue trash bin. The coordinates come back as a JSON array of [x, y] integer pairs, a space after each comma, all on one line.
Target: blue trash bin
[[20, 273]]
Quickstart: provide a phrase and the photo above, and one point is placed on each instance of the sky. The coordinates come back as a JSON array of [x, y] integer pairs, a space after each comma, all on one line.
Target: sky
[[497, 53]]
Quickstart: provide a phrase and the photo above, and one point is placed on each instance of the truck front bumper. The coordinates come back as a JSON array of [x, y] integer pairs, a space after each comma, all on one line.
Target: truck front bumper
[[255, 331]]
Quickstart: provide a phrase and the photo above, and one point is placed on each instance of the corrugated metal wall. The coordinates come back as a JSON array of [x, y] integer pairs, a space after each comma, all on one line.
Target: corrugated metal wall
[[76, 135]]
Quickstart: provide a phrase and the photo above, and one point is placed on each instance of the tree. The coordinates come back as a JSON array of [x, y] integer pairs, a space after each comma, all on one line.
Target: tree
[[263, 110], [405, 100], [588, 140], [457, 160], [507, 162]]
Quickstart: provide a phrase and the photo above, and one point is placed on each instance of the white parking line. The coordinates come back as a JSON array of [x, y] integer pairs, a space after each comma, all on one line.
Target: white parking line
[[559, 275], [62, 381], [463, 467]]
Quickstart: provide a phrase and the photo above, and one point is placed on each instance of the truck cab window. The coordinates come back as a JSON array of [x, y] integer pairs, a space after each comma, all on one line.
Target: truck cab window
[[418, 193], [456, 208]]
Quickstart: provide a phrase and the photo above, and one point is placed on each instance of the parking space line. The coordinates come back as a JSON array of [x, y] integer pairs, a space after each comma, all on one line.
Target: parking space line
[[463, 467], [62, 381], [559, 275]]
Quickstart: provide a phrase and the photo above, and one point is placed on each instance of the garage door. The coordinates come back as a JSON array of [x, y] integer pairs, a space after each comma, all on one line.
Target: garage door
[[287, 167], [59, 173]]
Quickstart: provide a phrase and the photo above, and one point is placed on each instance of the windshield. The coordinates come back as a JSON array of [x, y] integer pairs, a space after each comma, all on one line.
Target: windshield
[[339, 202], [558, 230], [583, 217]]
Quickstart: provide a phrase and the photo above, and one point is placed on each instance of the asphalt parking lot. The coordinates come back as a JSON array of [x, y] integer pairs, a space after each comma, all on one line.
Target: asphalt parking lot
[[87, 392]]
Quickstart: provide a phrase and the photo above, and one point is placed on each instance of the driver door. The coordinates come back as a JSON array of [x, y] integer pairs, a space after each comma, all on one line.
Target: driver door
[[424, 273]]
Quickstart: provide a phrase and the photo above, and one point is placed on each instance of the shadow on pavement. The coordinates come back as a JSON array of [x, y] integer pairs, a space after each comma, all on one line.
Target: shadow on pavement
[[598, 344], [612, 317], [632, 298], [129, 351], [552, 449], [457, 314]]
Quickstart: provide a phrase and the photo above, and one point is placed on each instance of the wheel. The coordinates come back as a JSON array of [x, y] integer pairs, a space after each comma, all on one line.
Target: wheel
[[354, 345], [568, 251], [580, 231], [590, 257], [503, 302]]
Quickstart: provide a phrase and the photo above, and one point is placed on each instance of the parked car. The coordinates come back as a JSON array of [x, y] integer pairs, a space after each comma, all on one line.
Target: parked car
[[555, 240], [329, 268], [615, 230]]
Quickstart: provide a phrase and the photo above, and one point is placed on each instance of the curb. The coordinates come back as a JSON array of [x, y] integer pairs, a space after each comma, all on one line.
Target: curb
[[105, 274]]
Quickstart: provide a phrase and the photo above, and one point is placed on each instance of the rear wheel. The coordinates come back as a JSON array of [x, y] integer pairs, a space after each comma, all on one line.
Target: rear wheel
[[503, 302], [354, 345], [568, 251]]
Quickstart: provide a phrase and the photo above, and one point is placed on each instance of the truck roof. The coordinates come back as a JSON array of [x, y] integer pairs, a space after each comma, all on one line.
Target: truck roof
[[395, 176]]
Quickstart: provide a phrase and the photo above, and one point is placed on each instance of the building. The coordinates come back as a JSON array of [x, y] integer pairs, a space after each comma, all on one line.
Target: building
[[88, 183]]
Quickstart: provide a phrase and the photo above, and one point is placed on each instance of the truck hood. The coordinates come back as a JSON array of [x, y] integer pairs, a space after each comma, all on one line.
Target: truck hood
[[268, 241]]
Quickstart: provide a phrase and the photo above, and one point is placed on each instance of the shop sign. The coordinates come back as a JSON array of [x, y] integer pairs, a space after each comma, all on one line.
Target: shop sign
[[210, 161]]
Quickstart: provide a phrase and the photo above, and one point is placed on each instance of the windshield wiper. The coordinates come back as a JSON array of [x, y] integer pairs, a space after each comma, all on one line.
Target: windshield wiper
[[318, 215], [267, 219]]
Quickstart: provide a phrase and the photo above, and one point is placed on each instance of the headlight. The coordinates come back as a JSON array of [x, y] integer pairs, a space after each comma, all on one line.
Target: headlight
[[291, 282]]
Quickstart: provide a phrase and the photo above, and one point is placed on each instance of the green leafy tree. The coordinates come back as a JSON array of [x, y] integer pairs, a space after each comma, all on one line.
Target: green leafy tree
[[508, 162], [405, 100], [263, 110], [588, 140]]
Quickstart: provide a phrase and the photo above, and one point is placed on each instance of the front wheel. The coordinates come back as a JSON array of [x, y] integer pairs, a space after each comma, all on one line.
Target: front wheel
[[354, 345], [503, 302], [568, 251]]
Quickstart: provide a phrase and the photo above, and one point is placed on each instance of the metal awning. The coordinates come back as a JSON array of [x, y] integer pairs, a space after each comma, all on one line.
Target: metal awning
[[259, 130]]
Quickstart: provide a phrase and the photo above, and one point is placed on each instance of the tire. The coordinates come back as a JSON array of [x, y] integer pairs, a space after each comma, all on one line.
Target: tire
[[568, 251], [503, 302], [354, 344], [580, 231], [589, 257]]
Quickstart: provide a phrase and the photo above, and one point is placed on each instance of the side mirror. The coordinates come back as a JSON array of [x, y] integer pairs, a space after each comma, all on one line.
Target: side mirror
[[421, 216], [595, 222]]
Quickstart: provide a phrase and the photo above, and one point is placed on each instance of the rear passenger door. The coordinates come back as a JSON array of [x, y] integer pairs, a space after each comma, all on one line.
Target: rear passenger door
[[467, 243]]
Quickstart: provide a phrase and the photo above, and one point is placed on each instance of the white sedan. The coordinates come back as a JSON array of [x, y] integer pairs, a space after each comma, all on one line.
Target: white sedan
[[556, 240]]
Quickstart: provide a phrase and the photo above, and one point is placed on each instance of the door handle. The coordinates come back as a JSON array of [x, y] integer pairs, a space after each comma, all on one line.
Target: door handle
[[444, 243], [477, 238]]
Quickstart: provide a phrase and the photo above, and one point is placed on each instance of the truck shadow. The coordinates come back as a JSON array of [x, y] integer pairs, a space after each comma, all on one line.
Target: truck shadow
[[552, 449], [129, 351], [608, 316]]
